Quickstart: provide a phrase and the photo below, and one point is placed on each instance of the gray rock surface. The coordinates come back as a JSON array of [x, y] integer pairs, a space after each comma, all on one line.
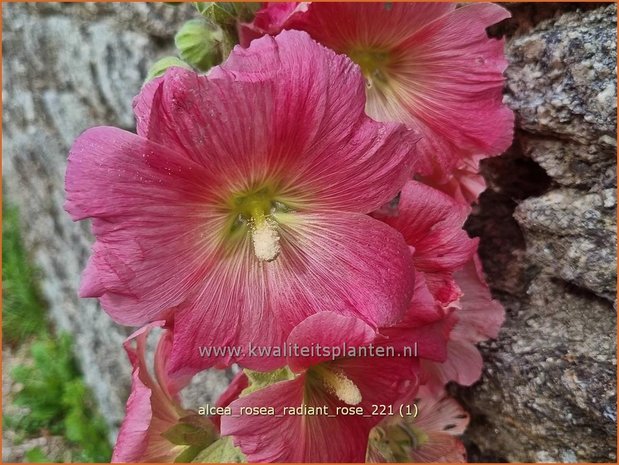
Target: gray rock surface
[[547, 221], [548, 229], [68, 67]]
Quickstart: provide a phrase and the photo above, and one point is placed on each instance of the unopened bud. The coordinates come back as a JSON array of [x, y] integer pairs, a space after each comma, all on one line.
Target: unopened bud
[[200, 43]]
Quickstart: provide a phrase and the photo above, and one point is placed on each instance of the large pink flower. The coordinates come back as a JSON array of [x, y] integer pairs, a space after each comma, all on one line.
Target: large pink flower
[[479, 319], [431, 223], [154, 409], [346, 382], [430, 437], [429, 65], [239, 208]]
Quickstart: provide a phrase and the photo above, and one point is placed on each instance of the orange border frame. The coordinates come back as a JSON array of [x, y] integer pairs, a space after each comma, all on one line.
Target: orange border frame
[[245, 1]]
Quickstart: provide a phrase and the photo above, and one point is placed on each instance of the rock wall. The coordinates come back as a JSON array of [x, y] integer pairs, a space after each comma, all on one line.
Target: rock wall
[[548, 229], [547, 222], [67, 67]]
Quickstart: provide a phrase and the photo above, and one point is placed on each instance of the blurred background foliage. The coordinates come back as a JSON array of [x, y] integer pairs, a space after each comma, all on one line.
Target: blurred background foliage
[[47, 398]]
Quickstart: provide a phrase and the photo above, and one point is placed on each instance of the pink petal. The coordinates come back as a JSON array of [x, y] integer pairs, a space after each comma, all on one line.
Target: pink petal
[[149, 207], [132, 438], [445, 75], [479, 317], [464, 184], [288, 109], [327, 263], [328, 329], [271, 19], [463, 364], [381, 381], [342, 158], [291, 438], [425, 324], [232, 392], [342, 26], [431, 222], [151, 408], [457, 104], [143, 103]]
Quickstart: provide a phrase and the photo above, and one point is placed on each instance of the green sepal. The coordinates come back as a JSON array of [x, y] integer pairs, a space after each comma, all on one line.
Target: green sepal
[[221, 451], [192, 430], [161, 66], [261, 379]]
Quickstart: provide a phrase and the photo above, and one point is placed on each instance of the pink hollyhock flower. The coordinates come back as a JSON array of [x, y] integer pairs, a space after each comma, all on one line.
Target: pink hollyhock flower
[[321, 381], [239, 208], [431, 223], [430, 437], [464, 184], [479, 319], [429, 65], [154, 411]]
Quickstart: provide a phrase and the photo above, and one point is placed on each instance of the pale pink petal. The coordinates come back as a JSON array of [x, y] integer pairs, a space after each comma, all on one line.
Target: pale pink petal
[[464, 184], [431, 222], [463, 364], [441, 419], [327, 262], [479, 317], [439, 413], [440, 448]]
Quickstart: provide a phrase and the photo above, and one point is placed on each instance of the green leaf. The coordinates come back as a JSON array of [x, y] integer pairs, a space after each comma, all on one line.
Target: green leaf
[[36, 455]]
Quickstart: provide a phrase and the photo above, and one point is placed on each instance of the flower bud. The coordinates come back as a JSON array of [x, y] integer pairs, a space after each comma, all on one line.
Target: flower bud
[[200, 43]]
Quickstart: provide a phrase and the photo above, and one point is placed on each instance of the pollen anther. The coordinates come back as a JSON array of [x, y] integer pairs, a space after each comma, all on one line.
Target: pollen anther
[[265, 239]]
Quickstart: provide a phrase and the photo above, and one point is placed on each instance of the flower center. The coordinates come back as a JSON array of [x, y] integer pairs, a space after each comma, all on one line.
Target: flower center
[[374, 65], [254, 210], [340, 385]]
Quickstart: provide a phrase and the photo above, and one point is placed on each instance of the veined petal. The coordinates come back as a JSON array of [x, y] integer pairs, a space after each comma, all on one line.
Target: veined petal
[[328, 262], [428, 65], [480, 316], [289, 110], [431, 222], [344, 25], [152, 408], [328, 329], [150, 208], [425, 327], [295, 438]]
